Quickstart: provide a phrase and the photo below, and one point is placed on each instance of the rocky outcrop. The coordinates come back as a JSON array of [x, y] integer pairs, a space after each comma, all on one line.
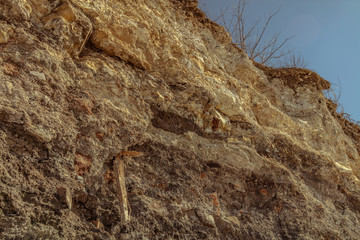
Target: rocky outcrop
[[212, 145]]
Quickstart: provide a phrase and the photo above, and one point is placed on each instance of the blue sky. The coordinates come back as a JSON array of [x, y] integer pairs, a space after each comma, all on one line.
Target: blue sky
[[327, 36]]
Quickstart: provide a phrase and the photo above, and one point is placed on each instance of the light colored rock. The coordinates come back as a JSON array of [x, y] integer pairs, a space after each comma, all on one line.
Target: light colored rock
[[39, 75], [43, 7], [12, 116], [40, 133], [64, 194], [225, 225], [5, 33], [17, 9], [70, 26], [206, 219]]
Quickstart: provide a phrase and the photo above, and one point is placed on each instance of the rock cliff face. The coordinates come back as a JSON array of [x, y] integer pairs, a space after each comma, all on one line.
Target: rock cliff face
[[213, 145]]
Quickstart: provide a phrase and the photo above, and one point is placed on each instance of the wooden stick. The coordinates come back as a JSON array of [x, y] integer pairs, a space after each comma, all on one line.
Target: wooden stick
[[120, 182]]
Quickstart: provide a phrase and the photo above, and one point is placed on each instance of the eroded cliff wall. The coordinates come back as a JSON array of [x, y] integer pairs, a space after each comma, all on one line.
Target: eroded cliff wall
[[214, 146]]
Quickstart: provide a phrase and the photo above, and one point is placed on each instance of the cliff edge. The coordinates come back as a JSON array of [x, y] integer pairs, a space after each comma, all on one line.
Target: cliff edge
[[139, 119]]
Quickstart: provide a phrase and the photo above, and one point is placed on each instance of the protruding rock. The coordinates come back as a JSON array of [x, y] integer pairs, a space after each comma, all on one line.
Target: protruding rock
[[206, 219], [39, 75], [97, 223], [227, 224], [5, 33], [82, 164], [70, 26], [64, 194]]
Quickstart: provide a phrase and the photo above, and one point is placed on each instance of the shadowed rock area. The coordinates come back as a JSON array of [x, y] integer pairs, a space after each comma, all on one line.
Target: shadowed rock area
[[139, 119]]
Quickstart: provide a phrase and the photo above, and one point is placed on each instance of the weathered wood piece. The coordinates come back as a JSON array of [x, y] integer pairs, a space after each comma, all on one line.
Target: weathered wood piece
[[121, 188]]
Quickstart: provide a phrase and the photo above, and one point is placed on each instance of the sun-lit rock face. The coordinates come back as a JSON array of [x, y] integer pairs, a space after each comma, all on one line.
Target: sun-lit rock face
[[215, 146]]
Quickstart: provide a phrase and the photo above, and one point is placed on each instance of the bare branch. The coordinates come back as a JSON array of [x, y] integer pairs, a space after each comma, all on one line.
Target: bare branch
[[221, 15], [335, 98], [277, 49], [259, 38], [294, 60], [251, 38]]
